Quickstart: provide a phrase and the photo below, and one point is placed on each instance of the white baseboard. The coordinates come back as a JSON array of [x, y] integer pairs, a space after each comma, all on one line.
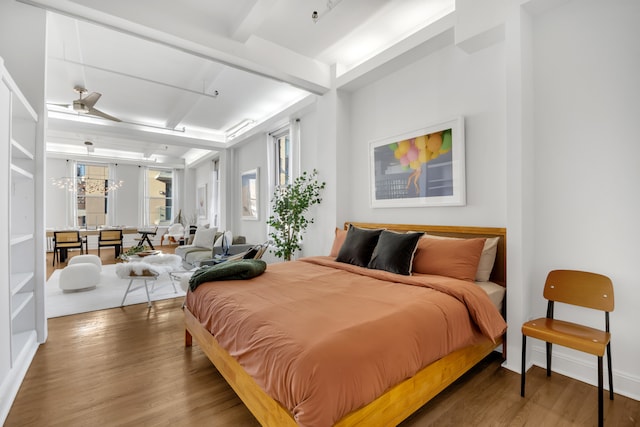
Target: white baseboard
[[11, 384], [582, 369]]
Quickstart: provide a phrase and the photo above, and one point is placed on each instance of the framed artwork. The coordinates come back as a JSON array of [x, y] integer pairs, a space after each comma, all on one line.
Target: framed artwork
[[249, 197], [201, 202], [424, 167]]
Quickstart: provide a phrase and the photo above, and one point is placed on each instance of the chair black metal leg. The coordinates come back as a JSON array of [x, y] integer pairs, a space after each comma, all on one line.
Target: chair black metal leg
[[522, 371], [610, 371], [600, 392], [549, 349], [149, 241]]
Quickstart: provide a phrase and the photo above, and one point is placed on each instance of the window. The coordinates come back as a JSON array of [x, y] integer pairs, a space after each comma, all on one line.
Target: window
[[91, 194], [159, 193], [282, 157], [215, 194]]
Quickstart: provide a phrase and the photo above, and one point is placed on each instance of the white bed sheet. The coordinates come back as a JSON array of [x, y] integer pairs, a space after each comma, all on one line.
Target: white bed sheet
[[496, 293]]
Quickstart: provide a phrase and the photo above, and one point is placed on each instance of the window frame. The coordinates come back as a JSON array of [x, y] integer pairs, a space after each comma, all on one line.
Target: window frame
[[276, 138], [88, 196], [148, 197]]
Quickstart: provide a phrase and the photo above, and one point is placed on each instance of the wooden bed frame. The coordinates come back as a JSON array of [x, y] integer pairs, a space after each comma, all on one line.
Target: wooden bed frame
[[398, 402]]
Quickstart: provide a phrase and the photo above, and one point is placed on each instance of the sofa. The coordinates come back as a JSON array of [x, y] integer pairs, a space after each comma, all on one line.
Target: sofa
[[207, 243]]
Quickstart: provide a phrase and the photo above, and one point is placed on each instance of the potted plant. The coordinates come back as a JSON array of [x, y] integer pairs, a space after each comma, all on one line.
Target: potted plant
[[289, 218], [133, 250]]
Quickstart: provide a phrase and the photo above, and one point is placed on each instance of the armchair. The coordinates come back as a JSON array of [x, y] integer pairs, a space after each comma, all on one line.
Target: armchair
[[207, 243], [174, 234]]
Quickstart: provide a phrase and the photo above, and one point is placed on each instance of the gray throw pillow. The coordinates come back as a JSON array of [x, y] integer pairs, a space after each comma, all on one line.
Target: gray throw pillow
[[394, 252], [358, 246]]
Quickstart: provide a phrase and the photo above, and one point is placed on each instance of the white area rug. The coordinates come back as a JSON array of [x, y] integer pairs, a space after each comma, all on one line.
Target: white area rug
[[107, 294]]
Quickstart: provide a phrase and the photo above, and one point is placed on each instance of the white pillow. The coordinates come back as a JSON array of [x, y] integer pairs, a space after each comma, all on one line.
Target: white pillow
[[204, 237], [229, 239], [487, 259]]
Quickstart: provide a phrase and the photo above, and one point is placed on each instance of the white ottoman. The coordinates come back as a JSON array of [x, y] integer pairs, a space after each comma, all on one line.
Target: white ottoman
[[79, 277], [86, 259]]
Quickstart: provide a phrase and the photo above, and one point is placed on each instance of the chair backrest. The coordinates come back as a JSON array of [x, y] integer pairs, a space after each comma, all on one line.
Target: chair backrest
[[110, 235], [580, 288], [149, 230], [263, 249], [66, 236], [176, 228], [256, 251]]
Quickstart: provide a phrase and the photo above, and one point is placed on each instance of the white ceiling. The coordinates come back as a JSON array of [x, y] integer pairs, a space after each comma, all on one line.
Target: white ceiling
[[181, 74]]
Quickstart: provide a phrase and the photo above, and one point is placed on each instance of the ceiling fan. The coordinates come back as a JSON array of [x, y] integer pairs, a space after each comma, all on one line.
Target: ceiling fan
[[86, 105]]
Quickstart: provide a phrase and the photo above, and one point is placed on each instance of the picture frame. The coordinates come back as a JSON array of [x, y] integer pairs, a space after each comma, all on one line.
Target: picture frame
[[202, 208], [424, 167], [250, 186]]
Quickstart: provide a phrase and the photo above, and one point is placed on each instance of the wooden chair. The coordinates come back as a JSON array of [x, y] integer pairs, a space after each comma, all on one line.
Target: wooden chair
[[110, 238], [144, 237], [63, 241], [255, 252], [262, 249], [583, 289]]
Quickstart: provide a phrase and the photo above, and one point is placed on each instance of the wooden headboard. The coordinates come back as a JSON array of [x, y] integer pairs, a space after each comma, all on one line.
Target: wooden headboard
[[499, 272]]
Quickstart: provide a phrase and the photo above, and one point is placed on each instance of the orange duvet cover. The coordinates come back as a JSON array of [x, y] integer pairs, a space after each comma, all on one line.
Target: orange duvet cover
[[325, 338]]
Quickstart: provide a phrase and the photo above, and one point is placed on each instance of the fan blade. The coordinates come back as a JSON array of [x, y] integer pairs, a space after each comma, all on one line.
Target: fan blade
[[94, 112], [60, 105], [91, 99]]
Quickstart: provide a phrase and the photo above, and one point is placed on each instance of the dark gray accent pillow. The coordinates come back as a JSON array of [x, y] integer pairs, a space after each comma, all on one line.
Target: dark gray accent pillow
[[358, 246], [394, 252]]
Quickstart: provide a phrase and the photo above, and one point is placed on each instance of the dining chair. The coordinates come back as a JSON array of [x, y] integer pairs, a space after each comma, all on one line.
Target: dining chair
[[583, 289], [144, 236], [63, 241], [110, 238]]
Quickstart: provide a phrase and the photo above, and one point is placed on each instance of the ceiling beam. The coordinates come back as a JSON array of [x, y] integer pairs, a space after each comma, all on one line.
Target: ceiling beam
[[186, 104], [104, 128], [299, 71], [252, 20]]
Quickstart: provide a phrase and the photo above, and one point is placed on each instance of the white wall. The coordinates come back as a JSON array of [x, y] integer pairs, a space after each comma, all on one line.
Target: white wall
[[57, 203], [318, 151], [251, 155], [127, 196], [587, 168], [202, 178], [446, 84], [189, 187]]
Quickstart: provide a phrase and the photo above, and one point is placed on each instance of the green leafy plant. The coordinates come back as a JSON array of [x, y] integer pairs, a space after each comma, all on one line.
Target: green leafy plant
[[133, 250], [291, 204]]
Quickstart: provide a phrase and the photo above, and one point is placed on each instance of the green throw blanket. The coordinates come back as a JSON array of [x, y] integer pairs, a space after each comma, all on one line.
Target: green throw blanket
[[231, 270]]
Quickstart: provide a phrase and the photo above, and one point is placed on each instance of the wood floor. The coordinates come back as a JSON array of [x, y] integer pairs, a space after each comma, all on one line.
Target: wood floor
[[128, 366]]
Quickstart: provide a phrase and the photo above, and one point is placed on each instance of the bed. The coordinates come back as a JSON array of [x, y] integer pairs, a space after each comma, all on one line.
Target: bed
[[265, 372]]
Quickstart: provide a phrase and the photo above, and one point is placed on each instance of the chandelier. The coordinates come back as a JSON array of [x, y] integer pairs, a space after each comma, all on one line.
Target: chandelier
[[86, 185]]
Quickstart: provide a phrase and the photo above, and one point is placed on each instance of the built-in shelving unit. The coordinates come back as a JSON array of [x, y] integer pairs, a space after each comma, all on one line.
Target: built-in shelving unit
[[19, 293]]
